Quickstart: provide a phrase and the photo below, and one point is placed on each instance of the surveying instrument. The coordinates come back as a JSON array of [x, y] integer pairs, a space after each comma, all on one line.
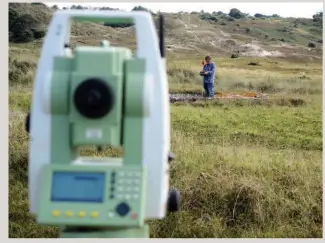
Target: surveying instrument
[[100, 96]]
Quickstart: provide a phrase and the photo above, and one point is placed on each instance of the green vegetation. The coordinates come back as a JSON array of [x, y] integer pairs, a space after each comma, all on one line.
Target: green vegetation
[[245, 168]]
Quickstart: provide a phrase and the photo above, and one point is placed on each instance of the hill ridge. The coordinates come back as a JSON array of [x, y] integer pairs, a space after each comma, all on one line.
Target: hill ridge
[[218, 33]]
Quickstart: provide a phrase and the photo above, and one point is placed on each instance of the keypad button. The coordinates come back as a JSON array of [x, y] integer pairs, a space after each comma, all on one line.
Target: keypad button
[[82, 214], [127, 196], [94, 214], [56, 213], [122, 209], [68, 213], [134, 216]]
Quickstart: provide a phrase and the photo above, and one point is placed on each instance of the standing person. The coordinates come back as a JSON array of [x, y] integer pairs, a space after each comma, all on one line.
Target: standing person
[[208, 72]]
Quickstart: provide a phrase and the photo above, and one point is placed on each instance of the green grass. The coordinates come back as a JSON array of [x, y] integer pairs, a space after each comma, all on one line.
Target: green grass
[[245, 169]]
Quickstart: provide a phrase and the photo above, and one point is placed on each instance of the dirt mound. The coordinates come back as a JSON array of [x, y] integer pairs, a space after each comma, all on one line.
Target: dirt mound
[[225, 95]]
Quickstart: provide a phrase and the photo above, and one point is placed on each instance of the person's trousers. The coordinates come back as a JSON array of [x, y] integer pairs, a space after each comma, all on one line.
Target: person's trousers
[[209, 89]]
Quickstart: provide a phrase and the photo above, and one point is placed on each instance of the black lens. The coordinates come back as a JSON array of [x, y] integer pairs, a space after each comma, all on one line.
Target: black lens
[[94, 98]]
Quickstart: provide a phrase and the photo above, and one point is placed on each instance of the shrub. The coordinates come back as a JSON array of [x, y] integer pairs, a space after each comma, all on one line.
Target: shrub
[[318, 19], [218, 13], [117, 25], [311, 45], [13, 15], [38, 4], [208, 17], [235, 55], [236, 13], [253, 63], [39, 33], [24, 28], [258, 15]]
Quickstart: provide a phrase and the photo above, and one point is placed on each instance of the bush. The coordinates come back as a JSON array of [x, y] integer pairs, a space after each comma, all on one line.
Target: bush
[[235, 55], [218, 13], [208, 17], [254, 63], [106, 9], [318, 19], [140, 8], [258, 15], [38, 4], [13, 15], [311, 45], [117, 25], [236, 13], [24, 28], [38, 34], [248, 30]]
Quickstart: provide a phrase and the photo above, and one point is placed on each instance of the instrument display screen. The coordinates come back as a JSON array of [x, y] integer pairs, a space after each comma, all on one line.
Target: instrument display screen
[[78, 187]]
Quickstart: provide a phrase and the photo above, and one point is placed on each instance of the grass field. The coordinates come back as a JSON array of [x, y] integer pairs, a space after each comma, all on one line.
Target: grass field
[[245, 169]]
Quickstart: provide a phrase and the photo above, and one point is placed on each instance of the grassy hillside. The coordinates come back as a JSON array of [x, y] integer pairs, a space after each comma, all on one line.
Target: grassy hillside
[[245, 169], [199, 33]]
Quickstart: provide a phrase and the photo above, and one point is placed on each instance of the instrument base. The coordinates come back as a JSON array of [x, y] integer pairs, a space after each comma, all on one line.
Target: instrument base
[[142, 232]]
